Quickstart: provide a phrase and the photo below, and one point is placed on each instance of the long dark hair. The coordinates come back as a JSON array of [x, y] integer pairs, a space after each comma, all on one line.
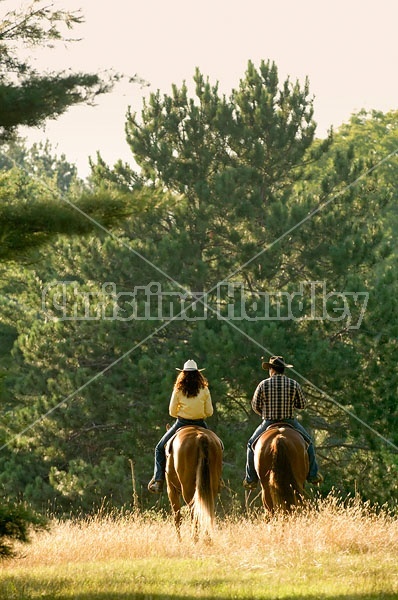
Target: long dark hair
[[190, 383]]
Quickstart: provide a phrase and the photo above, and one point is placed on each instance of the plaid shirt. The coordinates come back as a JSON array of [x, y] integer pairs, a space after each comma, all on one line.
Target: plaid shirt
[[275, 398]]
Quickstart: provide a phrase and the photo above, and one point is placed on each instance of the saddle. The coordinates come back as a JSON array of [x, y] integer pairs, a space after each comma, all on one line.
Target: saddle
[[169, 445], [279, 425]]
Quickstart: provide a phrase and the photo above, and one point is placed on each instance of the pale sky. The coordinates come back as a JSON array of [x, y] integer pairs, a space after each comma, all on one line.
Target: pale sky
[[347, 48]]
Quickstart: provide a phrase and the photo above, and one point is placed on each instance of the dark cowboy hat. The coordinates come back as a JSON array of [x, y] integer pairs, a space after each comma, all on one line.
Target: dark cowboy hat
[[275, 362]]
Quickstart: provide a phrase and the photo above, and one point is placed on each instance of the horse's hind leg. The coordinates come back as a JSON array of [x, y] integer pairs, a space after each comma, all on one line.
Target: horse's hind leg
[[175, 502], [266, 496], [194, 522]]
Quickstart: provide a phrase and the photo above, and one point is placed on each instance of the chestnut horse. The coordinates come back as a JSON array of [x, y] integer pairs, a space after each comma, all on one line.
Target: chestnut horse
[[193, 471], [281, 462]]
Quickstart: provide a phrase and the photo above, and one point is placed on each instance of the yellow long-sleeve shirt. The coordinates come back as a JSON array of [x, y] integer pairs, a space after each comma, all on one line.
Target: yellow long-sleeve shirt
[[196, 407]]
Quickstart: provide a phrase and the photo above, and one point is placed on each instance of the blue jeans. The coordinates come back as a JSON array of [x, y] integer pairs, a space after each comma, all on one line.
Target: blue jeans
[[160, 453], [251, 474]]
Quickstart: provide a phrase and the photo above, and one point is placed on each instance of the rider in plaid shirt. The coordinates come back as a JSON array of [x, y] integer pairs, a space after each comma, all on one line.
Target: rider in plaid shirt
[[276, 397], [274, 400]]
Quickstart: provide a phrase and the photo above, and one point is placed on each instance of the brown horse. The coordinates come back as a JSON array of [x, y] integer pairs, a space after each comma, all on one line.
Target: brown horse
[[193, 471], [281, 462]]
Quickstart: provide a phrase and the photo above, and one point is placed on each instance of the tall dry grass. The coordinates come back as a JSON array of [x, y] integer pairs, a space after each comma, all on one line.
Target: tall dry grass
[[328, 527]]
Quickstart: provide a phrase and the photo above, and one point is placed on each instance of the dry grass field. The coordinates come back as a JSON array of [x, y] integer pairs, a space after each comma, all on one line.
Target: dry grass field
[[330, 551]]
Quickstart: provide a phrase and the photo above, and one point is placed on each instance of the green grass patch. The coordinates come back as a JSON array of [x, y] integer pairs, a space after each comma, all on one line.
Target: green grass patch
[[329, 577]]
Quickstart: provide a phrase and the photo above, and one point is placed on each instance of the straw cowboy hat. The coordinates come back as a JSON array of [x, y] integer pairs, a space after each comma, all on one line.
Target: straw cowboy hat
[[190, 365], [275, 362]]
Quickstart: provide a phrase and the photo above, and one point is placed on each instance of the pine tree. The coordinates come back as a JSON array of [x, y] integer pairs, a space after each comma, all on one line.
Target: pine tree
[[16, 522], [29, 98], [256, 200]]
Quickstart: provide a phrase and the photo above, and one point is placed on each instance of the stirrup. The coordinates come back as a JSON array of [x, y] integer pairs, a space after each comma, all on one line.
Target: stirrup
[[155, 486], [249, 485], [317, 479]]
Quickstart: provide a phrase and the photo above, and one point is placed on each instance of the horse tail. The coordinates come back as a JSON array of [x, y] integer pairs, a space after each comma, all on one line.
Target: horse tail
[[203, 502], [284, 488]]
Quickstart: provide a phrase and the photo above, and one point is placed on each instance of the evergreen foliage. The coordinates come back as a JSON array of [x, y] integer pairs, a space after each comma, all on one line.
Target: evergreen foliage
[[27, 97], [236, 200], [34, 209], [15, 523], [33, 212]]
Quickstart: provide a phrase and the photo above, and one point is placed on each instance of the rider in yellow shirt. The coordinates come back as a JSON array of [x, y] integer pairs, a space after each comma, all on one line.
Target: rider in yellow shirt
[[193, 407], [190, 404]]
